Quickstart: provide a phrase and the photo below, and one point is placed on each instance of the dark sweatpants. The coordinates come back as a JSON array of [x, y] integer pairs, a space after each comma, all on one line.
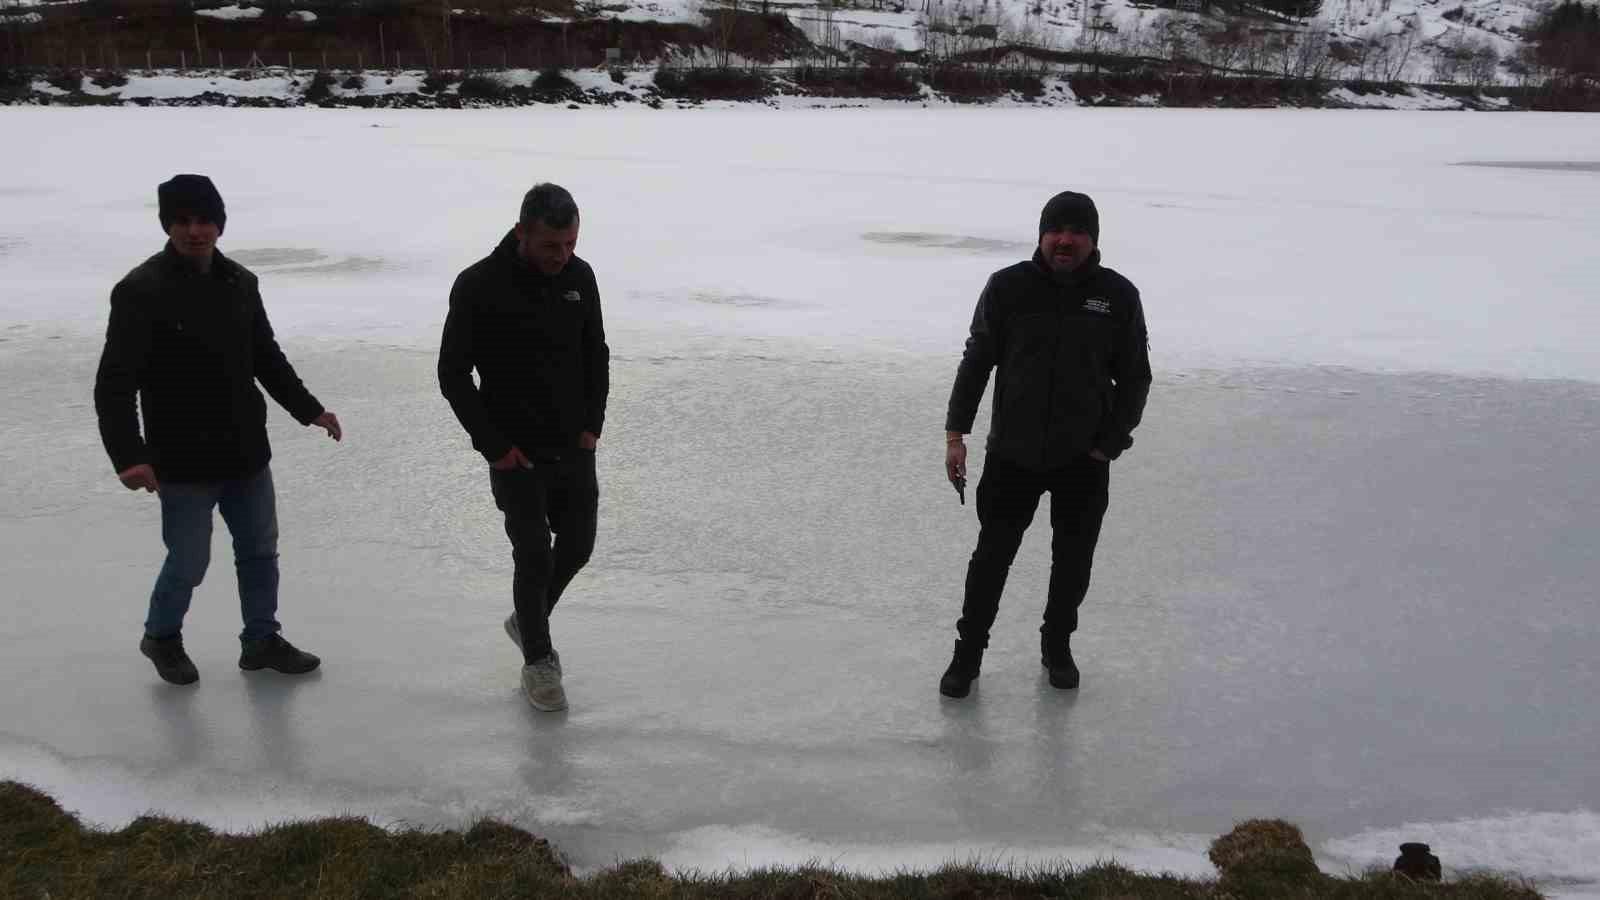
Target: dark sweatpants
[[1008, 495], [559, 495]]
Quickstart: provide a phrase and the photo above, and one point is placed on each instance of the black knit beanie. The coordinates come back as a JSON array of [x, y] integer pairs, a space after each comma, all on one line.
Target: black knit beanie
[[1070, 208], [192, 194]]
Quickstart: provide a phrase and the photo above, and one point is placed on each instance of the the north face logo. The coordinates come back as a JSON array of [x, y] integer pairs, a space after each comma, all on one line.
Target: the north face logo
[[572, 296], [1097, 305]]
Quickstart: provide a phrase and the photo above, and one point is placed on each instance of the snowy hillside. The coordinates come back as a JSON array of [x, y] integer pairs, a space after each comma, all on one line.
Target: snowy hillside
[[1411, 40]]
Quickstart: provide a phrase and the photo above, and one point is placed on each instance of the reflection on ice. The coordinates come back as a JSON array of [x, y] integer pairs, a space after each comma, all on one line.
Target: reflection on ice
[[946, 242], [304, 261], [1538, 165]]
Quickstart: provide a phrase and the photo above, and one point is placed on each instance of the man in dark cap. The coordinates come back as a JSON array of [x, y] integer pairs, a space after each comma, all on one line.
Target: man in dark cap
[[1066, 339], [187, 342], [527, 318]]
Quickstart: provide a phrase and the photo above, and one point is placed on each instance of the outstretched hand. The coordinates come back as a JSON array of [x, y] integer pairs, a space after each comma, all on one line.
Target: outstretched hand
[[330, 423], [141, 476]]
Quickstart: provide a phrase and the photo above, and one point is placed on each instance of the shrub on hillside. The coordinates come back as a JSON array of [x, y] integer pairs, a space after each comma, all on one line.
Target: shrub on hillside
[[434, 82], [109, 79], [551, 79], [711, 84], [353, 82], [67, 80], [320, 89], [481, 87]]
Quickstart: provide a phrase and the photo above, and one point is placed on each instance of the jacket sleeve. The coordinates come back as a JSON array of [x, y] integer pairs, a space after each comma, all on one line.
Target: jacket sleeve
[[597, 366], [1130, 373], [275, 373], [457, 356], [977, 360], [119, 378]]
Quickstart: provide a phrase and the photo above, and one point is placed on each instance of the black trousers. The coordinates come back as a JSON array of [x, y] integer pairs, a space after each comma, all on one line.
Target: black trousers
[[559, 496], [1008, 496]]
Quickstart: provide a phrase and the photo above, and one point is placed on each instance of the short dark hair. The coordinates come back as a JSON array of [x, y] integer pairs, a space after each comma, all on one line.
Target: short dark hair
[[549, 204]]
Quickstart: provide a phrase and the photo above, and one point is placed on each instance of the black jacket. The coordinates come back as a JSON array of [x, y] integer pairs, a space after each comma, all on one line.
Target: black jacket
[[1072, 361], [191, 347], [539, 346]]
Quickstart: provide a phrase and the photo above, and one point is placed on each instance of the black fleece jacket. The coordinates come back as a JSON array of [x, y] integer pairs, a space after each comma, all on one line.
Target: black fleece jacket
[[189, 347], [1072, 363], [539, 348]]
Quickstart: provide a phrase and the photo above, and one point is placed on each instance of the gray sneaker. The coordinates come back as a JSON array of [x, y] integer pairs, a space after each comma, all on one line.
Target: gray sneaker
[[541, 682], [514, 631]]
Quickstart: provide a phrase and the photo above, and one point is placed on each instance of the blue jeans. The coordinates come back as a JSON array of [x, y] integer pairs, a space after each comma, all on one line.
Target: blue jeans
[[249, 508]]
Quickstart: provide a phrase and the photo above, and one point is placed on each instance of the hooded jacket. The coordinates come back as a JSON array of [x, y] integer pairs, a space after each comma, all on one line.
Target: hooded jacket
[[539, 347], [187, 348], [1071, 360]]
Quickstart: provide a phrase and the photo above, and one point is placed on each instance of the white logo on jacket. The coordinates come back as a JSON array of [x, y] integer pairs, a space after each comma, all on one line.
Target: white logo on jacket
[[1097, 305], [572, 296]]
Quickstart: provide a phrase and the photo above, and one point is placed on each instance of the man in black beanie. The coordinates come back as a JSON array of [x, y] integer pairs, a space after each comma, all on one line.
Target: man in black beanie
[[1066, 338], [527, 319], [187, 342]]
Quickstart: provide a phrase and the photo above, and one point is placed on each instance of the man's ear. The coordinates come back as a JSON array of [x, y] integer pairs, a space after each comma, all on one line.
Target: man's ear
[[520, 232]]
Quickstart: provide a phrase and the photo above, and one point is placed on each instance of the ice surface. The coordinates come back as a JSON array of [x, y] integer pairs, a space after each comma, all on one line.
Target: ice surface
[[1346, 577]]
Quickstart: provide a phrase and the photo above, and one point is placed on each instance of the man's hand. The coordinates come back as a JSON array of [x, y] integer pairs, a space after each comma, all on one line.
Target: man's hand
[[512, 460], [1097, 456], [588, 440], [955, 457], [140, 476], [329, 423]]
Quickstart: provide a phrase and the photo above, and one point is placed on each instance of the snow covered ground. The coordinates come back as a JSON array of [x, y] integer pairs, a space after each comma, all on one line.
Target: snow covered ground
[[1346, 578]]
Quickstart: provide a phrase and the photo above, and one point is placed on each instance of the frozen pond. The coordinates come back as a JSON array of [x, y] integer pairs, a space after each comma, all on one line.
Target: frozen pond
[[1346, 577]]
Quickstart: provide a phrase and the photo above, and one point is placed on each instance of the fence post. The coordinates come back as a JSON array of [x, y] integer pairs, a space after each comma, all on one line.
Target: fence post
[[219, 60], [183, 60], [149, 65]]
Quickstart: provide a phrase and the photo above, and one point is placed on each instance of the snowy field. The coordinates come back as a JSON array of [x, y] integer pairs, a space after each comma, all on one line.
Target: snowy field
[[1346, 578]]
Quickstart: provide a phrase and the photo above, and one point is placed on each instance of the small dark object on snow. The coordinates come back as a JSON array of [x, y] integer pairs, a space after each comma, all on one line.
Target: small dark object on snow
[[1417, 863]]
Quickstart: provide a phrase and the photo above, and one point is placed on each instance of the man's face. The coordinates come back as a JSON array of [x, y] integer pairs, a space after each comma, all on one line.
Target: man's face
[[1066, 248], [547, 249], [193, 236]]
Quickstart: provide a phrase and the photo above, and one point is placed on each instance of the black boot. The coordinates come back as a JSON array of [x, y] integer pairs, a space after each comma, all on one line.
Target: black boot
[[172, 664], [963, 670], [1055, 654], [273, 652]]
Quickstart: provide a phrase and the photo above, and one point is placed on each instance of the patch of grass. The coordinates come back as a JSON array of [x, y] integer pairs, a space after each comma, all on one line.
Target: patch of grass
[[109, 79], [354, 82], [45, 852]]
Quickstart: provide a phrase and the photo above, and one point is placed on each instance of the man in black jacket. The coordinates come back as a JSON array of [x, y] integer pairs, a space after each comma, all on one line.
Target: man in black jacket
[[188, 340], [1066, 338], [527, 318]]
